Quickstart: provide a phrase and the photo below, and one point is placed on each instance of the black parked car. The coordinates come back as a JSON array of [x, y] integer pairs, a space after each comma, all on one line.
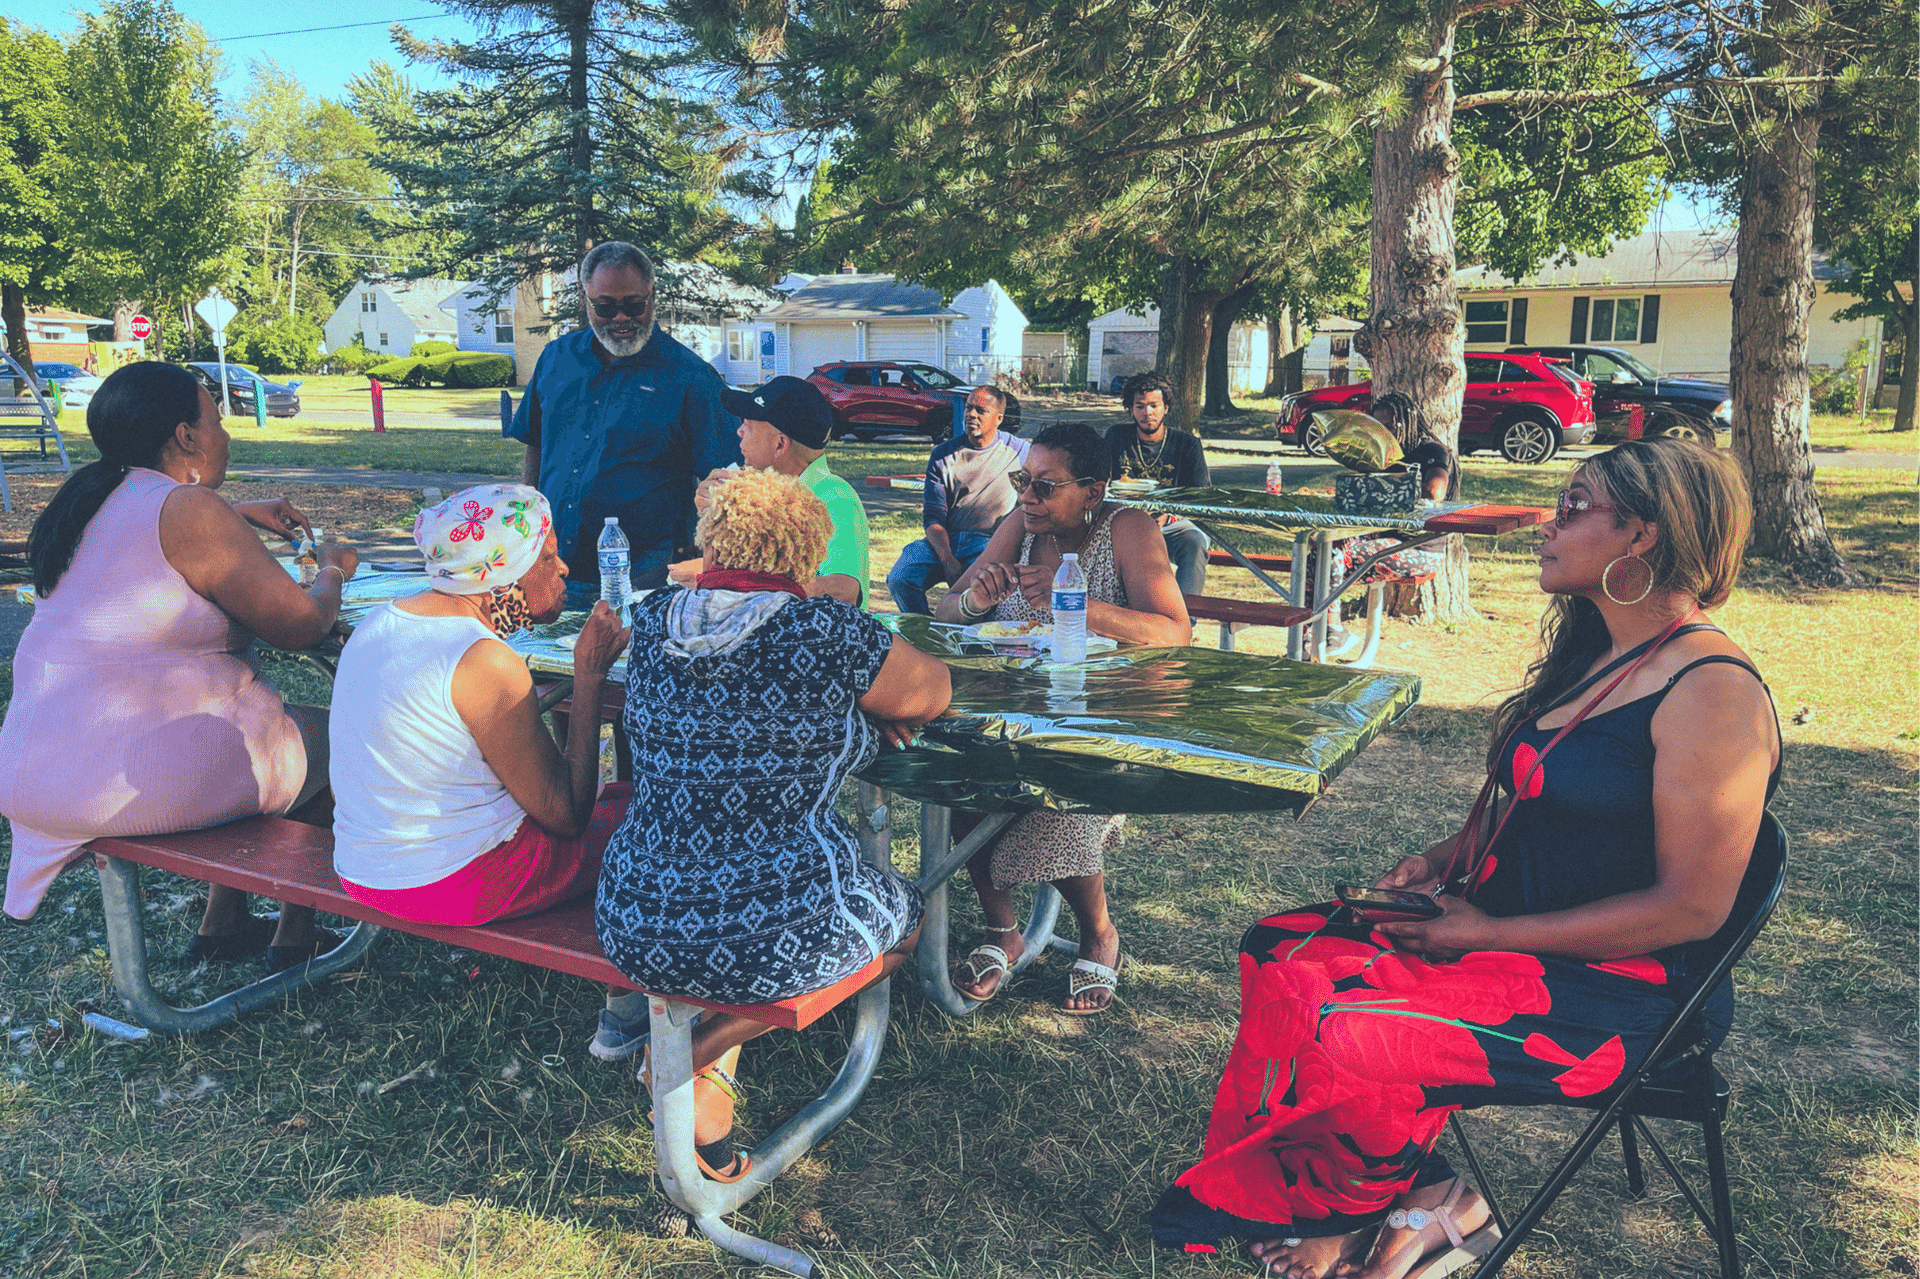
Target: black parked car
[[1671, 405], [282, 400]]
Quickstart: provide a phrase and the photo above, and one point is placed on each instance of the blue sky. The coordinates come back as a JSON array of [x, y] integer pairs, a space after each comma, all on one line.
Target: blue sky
[[323, 60]]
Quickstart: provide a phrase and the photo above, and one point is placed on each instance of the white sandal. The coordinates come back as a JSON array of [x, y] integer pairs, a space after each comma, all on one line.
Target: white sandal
[[1086, 975], [973, 971], [1459, 1250]]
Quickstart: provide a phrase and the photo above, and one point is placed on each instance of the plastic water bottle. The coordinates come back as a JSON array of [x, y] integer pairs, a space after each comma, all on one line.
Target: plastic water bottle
[[1069, 611], [616, 574], [1274, 483]]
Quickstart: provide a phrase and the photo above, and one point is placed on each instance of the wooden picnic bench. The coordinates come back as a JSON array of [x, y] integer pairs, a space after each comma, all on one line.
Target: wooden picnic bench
[[293, 863]]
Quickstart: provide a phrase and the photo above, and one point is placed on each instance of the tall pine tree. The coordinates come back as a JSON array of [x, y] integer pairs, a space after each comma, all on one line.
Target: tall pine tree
[[569, 122]]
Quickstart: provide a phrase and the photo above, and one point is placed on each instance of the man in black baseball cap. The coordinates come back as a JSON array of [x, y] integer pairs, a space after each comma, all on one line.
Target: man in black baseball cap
[[785, 426]]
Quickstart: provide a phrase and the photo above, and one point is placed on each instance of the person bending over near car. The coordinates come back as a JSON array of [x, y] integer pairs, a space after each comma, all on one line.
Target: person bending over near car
[[749, 703], [966, 497], [137, 706], [1592, 884], [1148, 449], [453, 805]]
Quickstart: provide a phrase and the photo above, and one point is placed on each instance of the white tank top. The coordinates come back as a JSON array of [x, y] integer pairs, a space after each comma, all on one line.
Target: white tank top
[[414, 800]]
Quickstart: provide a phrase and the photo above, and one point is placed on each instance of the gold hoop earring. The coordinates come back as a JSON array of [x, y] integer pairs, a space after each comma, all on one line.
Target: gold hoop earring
[[1608, 590], [1086, 516]]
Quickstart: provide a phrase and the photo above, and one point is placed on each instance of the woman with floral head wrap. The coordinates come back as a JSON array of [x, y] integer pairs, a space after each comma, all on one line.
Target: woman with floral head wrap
[[748, 705], [453, 805]]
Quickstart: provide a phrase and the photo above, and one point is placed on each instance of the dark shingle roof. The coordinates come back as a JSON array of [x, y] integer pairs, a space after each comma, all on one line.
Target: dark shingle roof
[[861, 297]]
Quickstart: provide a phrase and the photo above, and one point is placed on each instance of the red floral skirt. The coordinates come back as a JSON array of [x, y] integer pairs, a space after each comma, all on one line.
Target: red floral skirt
[[1350, 1057]]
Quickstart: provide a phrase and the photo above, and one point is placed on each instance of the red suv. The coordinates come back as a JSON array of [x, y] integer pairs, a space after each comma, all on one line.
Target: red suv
[[1524, 405], [871, 396]]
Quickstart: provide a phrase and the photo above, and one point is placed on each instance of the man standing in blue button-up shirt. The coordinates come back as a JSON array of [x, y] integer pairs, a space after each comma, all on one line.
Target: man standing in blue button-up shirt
[[620, 420]]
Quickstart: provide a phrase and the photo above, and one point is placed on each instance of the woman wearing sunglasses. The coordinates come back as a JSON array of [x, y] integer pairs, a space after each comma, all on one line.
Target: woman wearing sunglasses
[[1131, 597], [1582, 898]]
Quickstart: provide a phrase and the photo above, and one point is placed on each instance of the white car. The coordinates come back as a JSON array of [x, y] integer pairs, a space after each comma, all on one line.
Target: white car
[[76, 384]]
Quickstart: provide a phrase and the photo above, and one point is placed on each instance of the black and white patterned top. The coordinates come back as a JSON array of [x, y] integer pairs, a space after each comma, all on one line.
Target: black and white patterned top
[[732, 878]]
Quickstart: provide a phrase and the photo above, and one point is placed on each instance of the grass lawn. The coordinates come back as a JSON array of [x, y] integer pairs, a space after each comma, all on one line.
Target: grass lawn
[[1018, 1142]]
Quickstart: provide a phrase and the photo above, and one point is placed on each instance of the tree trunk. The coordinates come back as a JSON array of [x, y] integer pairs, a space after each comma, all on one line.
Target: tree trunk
[[1182, 355], [1772, 296], [1413, 338], [1287, 341], [1274, 354], [13, 309], [579, 20], [1909, 375], [1226, 313], [123, 313]]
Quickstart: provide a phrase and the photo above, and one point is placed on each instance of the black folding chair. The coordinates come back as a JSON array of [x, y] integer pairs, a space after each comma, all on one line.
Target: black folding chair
[[1676, 1081]]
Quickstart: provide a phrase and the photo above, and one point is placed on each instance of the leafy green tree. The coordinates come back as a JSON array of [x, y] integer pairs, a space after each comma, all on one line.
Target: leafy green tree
[[32, 130], [570, 122], [274, 341], [1867, 219], [152, 173]]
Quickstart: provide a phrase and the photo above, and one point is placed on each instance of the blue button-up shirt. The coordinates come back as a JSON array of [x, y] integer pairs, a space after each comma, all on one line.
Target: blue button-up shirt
[[628, 438]]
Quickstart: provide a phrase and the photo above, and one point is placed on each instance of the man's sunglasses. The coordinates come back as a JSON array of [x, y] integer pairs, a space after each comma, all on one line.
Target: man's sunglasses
[[1043, 489], [608, 310], [1570, 508]]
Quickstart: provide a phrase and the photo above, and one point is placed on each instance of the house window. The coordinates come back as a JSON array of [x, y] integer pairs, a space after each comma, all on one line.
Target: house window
[[739, 345], [1611, 321], [368, 303], [986, 339], [383, 339], [503, 327], [1504, 321]]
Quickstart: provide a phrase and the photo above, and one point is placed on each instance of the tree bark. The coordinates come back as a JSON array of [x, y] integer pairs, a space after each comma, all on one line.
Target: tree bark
[[579, 21], [1909, 383], [1772, 297], [13, 309], [1182, 356], [1226, 313], [1414, 338]]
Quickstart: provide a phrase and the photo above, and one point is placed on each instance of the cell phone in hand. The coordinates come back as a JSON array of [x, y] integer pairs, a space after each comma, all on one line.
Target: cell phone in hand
[[1387, 905]]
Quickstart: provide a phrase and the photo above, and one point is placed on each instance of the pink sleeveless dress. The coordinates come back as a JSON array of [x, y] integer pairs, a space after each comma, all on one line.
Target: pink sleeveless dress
[[137, 708]]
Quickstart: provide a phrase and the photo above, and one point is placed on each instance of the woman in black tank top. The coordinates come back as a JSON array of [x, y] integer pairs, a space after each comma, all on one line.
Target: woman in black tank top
[[1627, 781]]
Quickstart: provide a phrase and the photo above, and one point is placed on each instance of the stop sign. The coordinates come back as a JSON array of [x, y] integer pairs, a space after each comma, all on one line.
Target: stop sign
[[142, 327]]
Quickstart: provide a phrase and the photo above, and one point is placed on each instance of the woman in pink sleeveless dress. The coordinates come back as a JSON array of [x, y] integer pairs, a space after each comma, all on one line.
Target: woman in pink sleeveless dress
[[137, 708]]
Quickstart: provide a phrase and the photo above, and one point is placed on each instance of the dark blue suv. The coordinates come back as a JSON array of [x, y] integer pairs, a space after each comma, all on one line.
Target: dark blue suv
[[1671, 405]]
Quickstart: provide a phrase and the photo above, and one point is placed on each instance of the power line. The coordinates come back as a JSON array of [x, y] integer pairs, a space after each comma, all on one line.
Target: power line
[[303, 31]]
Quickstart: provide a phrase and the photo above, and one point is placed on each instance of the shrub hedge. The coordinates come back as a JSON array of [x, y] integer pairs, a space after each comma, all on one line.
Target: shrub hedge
[[451, 368], [427, 350]]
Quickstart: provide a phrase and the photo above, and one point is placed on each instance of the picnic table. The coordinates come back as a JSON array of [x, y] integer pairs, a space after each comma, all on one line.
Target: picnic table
[[1315, 523], [1142, 730]]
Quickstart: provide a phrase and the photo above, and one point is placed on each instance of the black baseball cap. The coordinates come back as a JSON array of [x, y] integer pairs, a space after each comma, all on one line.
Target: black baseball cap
[[792, 405]]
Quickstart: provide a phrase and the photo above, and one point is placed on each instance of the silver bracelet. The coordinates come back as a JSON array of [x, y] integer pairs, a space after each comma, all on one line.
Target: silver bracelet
[[336, 568], [966, 611]]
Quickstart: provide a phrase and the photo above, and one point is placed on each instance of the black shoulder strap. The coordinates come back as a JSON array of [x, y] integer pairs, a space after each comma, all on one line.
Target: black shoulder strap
[[1712, 660], [1617, 663]]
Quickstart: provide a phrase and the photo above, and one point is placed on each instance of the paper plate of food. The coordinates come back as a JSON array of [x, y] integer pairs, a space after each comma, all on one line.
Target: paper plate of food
[[1131, 488], [1037, 636]]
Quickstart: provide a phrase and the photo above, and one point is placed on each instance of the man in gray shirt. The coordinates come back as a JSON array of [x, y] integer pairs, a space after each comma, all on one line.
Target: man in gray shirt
[[967, 494]]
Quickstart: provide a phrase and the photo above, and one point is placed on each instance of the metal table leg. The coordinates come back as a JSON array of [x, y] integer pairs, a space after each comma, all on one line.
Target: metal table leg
[[127, 946], [1322, 581], [707, 1202], [1297, 578], [940, 860]]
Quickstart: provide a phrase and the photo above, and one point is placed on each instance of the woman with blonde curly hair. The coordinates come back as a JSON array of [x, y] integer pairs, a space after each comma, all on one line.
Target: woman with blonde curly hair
[[748, 704]]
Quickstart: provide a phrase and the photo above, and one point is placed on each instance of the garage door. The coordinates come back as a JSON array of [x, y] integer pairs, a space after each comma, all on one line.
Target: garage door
[[814, 345], [909, 341]]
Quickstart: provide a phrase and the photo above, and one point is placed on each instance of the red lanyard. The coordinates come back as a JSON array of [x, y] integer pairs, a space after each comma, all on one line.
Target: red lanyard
[[1520, 784]]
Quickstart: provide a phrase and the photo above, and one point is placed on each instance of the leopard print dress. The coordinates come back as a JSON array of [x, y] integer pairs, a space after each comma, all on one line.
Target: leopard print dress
[[1043, 846]]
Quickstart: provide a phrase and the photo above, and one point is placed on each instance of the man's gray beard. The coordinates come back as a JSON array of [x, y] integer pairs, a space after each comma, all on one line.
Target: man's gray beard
[[621, 350]]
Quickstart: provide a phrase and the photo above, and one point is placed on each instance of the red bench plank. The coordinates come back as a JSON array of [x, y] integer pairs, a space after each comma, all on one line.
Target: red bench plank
[[1212, 608], [1272, 563], [293, 863], [1489, 520]]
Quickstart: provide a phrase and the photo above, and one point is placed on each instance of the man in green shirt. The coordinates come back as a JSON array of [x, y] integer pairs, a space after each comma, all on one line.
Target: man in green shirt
[[784, 426]]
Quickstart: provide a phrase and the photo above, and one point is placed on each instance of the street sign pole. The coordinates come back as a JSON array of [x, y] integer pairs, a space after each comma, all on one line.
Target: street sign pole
[[218, 312]]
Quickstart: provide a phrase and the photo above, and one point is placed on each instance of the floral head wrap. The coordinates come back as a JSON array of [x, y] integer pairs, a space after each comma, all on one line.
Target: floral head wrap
[[482, 538]]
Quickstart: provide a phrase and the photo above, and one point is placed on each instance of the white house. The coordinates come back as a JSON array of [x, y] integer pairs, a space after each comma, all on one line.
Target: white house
[[1661, 295], [874, 317], [479, 324], [391, 315], [1124, 342]]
